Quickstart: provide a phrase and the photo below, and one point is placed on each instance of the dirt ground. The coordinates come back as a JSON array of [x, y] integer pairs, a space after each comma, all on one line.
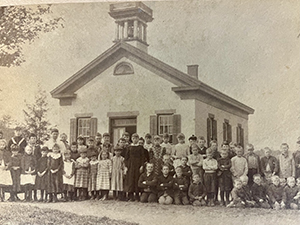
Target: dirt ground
[[149, 214]]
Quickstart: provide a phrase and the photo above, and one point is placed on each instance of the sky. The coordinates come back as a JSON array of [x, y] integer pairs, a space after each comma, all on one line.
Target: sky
[[247, 49]]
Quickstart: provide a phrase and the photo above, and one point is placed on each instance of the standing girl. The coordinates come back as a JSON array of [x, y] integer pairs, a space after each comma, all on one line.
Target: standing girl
[[93, 176], [28, 166], [15, 170], [41, 180], [180, 150], [5, 177], [82, 173], [68, 176], [55, 166], [104, 174], [118, 168]]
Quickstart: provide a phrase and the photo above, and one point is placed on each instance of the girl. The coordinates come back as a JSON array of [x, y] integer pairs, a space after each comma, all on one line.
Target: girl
[[55, 167], [118, 168], [41, 180], [104, 174], [28, 166], [180, 150], [68, 176], [81, 174], [93, 176], [5, 177], [15, 171], [80, 142], [196, 160]]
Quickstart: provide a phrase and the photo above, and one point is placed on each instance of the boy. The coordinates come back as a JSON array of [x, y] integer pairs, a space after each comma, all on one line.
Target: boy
[[248, 199], [259, 192], [186, 170], [167, 161], [148, 145], [253, 162], [202, 147], [18, 140], [165, 187], [106, 142], [148, 182], [239, 165], [197, 191], [214, 147], [232, 147], [192, 141], [286, 162], [181, 149], [98, 140], [74, 153], [238, 195], [165, 144], [269, 165], [291, 194], [275, 193], [121, 144], [196, 160], [210, 166], [15, 170], [91, 142], [126, 136], [180, 188]]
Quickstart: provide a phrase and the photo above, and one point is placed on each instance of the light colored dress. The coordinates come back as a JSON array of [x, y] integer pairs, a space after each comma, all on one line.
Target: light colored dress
[[5, 177], [117, 175], [103, 174], [179, 151], [69, 170]]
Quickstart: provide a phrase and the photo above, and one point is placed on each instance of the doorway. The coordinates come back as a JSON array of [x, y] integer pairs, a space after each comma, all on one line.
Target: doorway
[[120, 125]]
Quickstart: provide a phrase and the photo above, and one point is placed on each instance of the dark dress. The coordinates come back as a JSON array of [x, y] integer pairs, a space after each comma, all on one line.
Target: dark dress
[[55, 179], [224, 174], [15, 161], [134, 159], [42, 182]]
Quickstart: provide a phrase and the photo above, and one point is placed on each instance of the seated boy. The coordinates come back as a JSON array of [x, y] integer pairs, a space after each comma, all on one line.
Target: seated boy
[[197, 191], [291, 194], [165, 187], [247, 192], [238, 195], [180, 187], [259, 192], [148, 182], [275, 192]]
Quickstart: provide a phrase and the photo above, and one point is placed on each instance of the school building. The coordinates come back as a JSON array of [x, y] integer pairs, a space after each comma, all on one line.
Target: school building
[[126, 89]]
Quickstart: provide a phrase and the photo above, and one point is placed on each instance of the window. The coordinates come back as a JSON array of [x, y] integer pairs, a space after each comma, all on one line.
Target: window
[[227, 133], [123, 68], [211, 128], [240, 135], [84, 127], [165, 124]]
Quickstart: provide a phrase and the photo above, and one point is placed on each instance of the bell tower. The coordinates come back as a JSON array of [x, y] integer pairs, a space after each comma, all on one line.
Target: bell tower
[[131, 23]]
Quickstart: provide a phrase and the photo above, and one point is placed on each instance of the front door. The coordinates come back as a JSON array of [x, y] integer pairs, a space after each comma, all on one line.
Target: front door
[[121, 125]]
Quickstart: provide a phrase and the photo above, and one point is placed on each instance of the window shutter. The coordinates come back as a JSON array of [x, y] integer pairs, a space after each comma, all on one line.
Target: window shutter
[[93, 127], [224, 132], [215, 131], [73, 128], [229, 135], [209, 137], [153, 125], [242, 137], [176, 127]]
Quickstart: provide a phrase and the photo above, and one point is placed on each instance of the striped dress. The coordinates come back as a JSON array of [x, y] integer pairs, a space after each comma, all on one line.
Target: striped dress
[[82, 173], [117, 176], [93, 175], [103, 174]]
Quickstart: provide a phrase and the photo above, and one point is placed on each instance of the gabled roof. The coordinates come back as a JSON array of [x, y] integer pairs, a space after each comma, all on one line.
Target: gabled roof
[[182, 81]]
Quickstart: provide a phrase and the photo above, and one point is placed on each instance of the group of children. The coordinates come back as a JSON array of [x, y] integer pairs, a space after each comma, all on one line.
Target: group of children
[[149, 170]]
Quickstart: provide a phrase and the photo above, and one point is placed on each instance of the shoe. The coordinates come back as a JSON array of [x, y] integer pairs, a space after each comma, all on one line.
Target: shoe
[[222, 203]]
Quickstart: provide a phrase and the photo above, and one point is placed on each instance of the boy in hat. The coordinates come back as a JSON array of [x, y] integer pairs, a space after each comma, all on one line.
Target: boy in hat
[[18, 140]]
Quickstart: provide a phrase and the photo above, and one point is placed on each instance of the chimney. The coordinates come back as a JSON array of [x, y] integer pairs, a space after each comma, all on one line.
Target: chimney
[[192, 70]]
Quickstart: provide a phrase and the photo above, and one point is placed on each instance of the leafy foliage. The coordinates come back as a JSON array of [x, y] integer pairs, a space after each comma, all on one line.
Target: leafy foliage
[[20, 25], [36, 114]]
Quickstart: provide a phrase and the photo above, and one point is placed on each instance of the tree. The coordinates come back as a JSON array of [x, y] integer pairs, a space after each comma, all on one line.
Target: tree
[[36, 114], [20, 25]]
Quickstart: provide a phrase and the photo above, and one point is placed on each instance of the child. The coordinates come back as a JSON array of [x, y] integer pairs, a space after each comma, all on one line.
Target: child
[[5, 176], [165, 187], [186, 170], [239, 165], [106, 142], [104, 174], [74, 152], [275, 193], [15, 170], [68, 177], [196, 160], [202, 148], [259, 192], [121, 144], [297, 158], [291, 194], [81, 173], [224, 176], [148, 182], [41, 180], [210, 166], [286, 162], [28, 165], [92, 151], [146, 153], [238, 195], [180, 150], [91, 143], [148, 144], [253, 162], [180, 187], [63, 139], [55, 167], [118, 170], [156, 155], [192, 141], [167, 161], [80, 142], [93, 171], [166, 145], [247, 195], [214, 147], [98, 140], [197, 191], [126, 136], [269, 165]]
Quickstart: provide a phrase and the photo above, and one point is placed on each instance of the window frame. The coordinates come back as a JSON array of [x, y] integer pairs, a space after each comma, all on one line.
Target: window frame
[[88, 133]]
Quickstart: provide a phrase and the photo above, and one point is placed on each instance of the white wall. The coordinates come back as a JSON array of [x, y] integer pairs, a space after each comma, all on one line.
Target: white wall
[[142, 91]]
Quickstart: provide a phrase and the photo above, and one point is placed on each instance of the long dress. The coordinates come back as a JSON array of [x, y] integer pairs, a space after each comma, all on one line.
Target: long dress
[[55, 161], [5, 176], [117, 175], [134, 159], [41, 182], [28, 163], [69, 170], [15, 161], [103, 174], [82, 173], [93, 175]]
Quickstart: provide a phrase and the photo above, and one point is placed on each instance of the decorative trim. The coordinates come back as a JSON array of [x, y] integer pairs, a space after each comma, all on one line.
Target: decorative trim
[[123, 114], [212, 116], [226, 121], [165, 111], [125, 66], [82, 115]]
